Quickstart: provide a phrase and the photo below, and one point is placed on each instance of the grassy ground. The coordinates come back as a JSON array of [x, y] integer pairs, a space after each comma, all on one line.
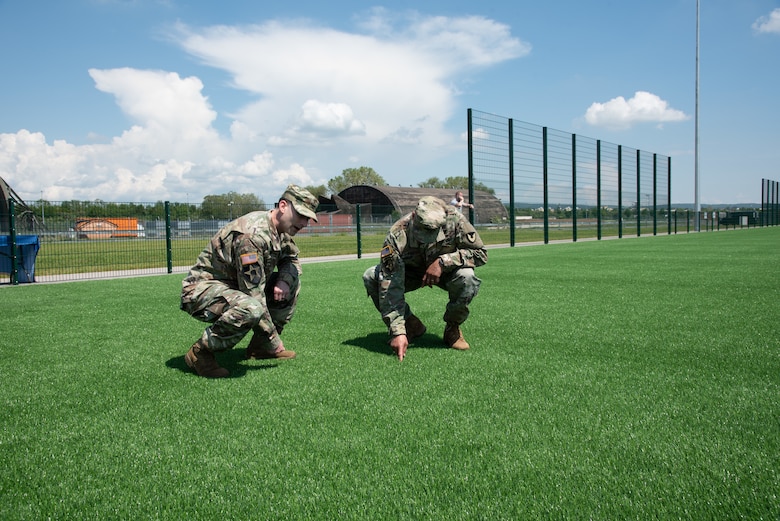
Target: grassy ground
[[607, 380]]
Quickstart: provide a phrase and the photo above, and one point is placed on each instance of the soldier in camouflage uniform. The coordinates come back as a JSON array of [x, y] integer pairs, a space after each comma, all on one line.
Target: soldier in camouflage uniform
[[434, 245], [247, 279]]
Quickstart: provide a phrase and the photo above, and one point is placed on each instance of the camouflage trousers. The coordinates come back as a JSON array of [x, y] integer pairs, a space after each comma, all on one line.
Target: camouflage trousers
[[462, 285], [232, 313]]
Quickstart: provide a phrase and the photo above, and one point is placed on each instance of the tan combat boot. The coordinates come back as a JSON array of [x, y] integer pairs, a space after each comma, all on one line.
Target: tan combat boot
[[454, 338], [204, 362], [414, 328], [258, 350]]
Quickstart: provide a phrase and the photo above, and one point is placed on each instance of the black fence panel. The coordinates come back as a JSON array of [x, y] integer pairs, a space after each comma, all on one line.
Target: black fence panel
[[563, 186]]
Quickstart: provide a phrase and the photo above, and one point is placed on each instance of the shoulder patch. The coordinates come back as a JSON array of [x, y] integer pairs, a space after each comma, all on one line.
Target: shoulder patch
[[249, 258], [386, 251]]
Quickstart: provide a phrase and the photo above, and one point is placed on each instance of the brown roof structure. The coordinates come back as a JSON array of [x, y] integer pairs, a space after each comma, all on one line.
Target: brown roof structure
[[25, 219], [393, 202]]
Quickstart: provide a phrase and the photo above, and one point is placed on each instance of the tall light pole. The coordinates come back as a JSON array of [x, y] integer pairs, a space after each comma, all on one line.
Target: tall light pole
[[697, 203]]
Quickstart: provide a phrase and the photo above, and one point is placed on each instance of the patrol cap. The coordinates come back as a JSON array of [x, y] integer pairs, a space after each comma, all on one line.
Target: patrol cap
[[429, 216], [302, 200]]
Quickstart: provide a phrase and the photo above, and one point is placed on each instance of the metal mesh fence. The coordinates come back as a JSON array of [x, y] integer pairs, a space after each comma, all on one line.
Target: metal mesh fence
[[56, 242], [770, 203], [554, 185], [64, 241], [558, 185]]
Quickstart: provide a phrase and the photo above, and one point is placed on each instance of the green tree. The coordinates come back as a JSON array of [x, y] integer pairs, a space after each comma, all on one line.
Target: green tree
[[454, 183], [230, 205], [317, 191], [355, 176], [432, 182]]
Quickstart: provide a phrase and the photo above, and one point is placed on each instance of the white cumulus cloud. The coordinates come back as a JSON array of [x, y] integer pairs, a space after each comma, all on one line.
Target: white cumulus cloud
[[313, 100], [329, 118], [768, 24], [172, 116], [315, 83], [620, 113]]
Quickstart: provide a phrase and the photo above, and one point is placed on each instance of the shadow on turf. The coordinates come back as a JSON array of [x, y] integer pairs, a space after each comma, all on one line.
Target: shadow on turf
[[377, 343], [232, 360]]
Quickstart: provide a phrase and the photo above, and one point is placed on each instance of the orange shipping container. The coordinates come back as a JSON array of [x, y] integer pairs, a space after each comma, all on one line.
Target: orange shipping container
[[104, 228], [125, 226]]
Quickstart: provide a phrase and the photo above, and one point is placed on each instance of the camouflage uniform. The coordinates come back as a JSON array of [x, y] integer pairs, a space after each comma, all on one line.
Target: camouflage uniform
[[231, 285], [404, 259]]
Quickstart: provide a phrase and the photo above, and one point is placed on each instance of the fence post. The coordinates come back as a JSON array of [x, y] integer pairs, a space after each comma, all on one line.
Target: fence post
[[470, 166], [655, 194], [511, 181], [763, 202], [620, 191], [598, 189], [168, 248], [12, 241], [574, 187], [546, 187], [638, 194], [359, 240], [669, 198]]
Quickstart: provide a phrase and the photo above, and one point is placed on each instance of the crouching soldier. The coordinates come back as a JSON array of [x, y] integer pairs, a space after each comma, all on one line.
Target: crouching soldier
[[434, 245], [247, 279]]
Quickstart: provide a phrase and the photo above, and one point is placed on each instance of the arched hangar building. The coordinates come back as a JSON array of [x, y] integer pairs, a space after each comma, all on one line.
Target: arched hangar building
[[388, 202]]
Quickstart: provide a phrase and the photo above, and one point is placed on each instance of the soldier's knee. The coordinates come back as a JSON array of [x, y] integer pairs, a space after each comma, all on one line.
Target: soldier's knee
[[241, 315], [466, 283], [249, 310]]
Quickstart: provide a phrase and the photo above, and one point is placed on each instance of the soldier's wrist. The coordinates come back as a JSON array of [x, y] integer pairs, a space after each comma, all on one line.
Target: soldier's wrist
[[274, 341], [397, 331]]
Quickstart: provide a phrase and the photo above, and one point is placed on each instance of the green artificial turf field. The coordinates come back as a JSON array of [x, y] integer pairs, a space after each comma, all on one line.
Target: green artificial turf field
[[635, 378]]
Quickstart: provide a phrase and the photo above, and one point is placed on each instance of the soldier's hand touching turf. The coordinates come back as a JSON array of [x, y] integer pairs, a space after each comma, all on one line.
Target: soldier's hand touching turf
[[399, 344]]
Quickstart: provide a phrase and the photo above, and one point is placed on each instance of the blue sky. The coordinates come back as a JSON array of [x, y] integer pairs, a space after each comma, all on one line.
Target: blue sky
[[147, 100]]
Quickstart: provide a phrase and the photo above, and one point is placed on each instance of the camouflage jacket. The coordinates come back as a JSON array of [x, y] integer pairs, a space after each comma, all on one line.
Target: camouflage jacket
[[242, 256], [458, 245]]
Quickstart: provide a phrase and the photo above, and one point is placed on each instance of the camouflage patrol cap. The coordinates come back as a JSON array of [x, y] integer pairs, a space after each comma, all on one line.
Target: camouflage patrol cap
[[302, 200], [429, 216]]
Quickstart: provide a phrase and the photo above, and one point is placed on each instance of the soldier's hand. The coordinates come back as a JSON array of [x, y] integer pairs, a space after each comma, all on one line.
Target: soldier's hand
[[432, 275], [399, 344], [281, 291]]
